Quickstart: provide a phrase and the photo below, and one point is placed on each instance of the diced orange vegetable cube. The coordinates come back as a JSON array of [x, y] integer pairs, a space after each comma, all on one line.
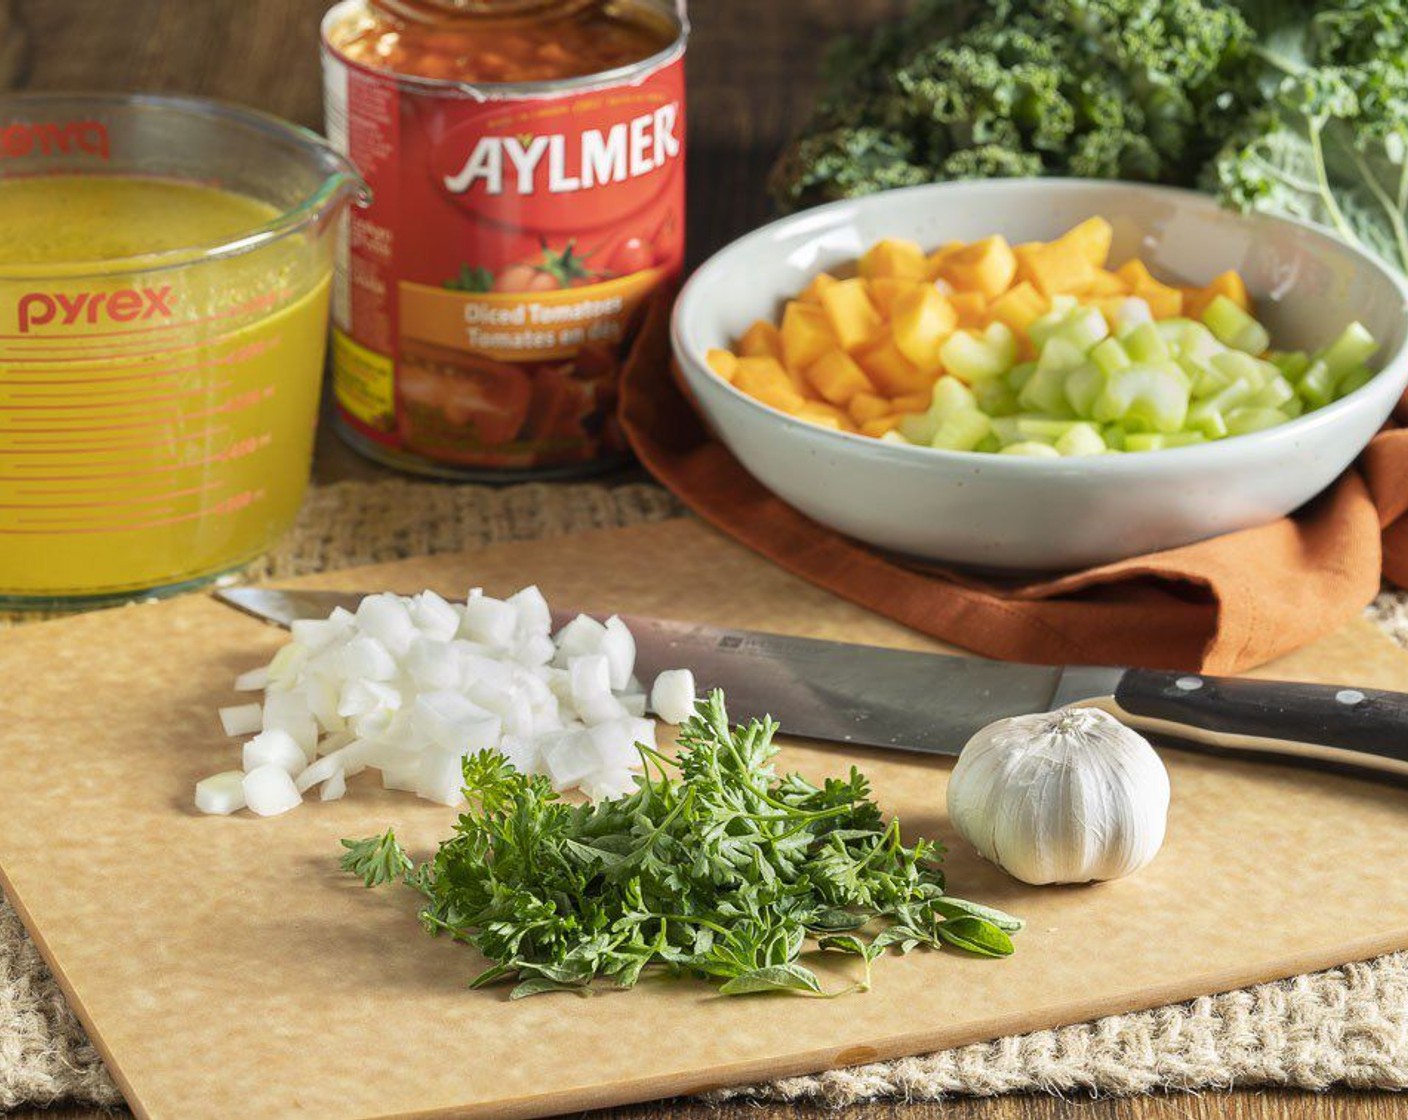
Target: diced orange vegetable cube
[[880, 425], [903, 260], [766, 380], [828, 416], [806, 335], [892, 373], [812, 292], [1092, 238], [1107, 283], [1165, 302], [723, 362], [1019, 307], [853, 316], [986, 266], [922, 320], [1229, 284], [837, 377], [867, 406], [942, 254], [885, 290], [972, 308], [913, 402], [1056, 267], [761, 340]]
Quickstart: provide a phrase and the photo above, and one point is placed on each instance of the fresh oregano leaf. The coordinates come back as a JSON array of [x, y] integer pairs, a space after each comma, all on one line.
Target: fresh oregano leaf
[[977, 935], [773, 978], [951, 907], [541, 985]]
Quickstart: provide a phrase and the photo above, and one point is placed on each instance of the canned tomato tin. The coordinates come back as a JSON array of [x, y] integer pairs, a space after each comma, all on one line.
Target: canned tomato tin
[[526, 162]]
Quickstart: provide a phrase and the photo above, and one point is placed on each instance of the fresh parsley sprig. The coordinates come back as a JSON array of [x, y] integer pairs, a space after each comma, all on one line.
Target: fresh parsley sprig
[[714, 867]]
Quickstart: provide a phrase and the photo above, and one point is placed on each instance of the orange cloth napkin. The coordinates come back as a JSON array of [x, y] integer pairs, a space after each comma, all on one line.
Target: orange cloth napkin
[[1219, 606]]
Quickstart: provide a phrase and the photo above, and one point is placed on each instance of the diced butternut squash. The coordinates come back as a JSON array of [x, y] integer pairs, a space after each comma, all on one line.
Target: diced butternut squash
[[806, 335], [972, 308], [853, 316], [867, 406], [723, 362], [902, 260], [1055, 267], [838, 378], [1107, 283], [761, 340], [921, 320], [1092, 239], [880, 425], [812, 292], [940, 255], [1165, 302], [890, 371], [913, 402], [885, 290], [765, 379], [987, 266], [1229, 284], [828, 416], [1019, 307]]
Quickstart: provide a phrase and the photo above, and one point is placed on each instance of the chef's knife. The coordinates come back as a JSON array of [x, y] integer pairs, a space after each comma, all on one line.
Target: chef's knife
[[932, 703]]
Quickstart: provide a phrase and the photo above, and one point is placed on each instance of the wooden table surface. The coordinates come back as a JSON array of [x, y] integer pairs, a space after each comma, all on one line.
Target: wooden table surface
[[751, 71]]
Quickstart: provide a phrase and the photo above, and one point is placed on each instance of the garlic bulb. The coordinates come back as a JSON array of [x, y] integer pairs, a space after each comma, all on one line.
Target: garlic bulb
[[1061, 797]]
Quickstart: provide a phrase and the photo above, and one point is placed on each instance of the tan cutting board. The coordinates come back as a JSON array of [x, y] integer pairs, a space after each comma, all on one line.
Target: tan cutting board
[[226, 968]]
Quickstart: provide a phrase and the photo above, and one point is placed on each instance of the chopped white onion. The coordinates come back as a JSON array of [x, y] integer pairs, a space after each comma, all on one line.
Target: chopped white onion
[[274, 748], [256, 680], [672, 696], [269, 791], [410, 686], [221, 794], [241, 719]]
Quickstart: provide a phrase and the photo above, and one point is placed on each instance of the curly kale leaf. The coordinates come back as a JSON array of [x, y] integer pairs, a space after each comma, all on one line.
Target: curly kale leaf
[[1143, 89]]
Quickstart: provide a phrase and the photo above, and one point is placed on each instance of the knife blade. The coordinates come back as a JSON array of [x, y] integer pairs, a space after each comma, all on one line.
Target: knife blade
[[933, 703], [837, 691]]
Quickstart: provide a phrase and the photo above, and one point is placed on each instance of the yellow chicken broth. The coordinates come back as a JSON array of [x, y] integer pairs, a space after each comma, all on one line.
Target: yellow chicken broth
[[155, 425]]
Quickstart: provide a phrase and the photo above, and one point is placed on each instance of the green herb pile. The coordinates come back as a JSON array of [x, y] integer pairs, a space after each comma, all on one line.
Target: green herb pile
[[714, 867], [1274, 105]]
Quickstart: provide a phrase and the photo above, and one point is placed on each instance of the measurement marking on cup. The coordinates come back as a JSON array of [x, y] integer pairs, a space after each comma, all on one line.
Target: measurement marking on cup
[[110, 407], [245, 354], [232, 504], [235, 404], [116, 478], [45, 444], [129, 501]]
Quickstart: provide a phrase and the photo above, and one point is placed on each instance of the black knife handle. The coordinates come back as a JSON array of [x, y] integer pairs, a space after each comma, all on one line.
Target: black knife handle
[[1328, 723]]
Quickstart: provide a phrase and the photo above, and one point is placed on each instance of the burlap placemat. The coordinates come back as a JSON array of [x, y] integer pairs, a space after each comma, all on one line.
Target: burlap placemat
[[1345, 1026]]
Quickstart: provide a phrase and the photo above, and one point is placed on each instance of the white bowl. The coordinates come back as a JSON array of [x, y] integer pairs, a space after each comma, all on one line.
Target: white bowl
[[1008, 512]]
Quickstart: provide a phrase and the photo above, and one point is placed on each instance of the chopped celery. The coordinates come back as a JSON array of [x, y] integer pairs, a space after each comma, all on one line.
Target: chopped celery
[[1083, 387], [1019, 374], [1039, 427], [1317, 384], [971, 358], [1236, 366], [1132, 312], [1059, 354], [1159, 441], [1045, 391], [989, 443], [995, 397], [1275, 393], [1240, 421], [1207, 418], [1148, 396], [1002, 341], [1355, 379], [1145, 344], [1081, 439], [1005, 429], [1032, 449], [1352, 349], [1110, 355], [918, 427], [961, 431], [951, 395], [1083, 328], [1114, 436], [1234, 327], [1292, 365]]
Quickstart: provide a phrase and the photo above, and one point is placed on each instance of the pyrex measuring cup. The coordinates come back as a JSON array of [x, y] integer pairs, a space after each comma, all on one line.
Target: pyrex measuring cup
[[157, 411]]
